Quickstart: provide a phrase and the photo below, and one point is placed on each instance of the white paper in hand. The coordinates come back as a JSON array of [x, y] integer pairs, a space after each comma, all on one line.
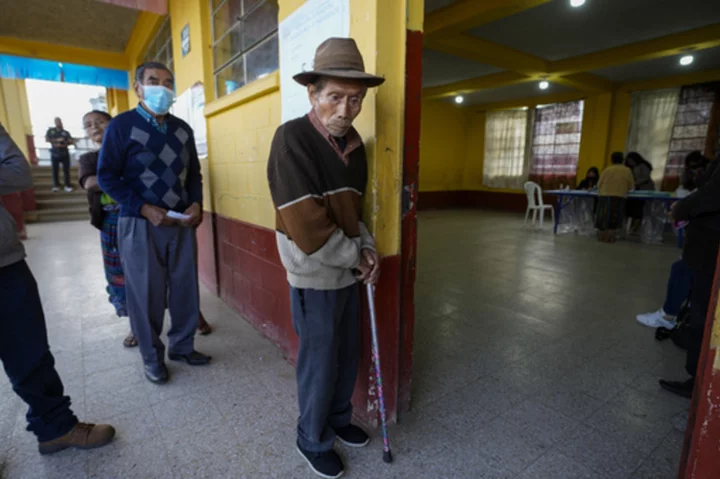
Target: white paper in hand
[[178, 216]]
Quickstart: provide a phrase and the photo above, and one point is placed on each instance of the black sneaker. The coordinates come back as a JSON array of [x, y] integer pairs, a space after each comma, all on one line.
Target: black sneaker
[[681, 388], [325, 464], [352, 436]]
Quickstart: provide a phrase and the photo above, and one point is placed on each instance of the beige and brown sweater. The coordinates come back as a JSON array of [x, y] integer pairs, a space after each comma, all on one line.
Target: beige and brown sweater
[[318, 189]]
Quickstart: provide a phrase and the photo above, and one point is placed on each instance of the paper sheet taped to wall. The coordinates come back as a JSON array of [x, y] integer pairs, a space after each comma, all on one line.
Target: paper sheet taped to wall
[[300, 34]]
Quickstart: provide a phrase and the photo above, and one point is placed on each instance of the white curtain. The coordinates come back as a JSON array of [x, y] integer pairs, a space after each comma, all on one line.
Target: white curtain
[[651, 124], [506, 153]]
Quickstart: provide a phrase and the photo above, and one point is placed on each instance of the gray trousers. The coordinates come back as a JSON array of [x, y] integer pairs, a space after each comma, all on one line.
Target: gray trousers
[[160, 266], [328, 325]]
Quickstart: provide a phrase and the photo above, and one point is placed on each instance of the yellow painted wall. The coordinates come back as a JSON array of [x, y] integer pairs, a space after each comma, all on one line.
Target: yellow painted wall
[[242, 124], [14, 112], [444, 143]]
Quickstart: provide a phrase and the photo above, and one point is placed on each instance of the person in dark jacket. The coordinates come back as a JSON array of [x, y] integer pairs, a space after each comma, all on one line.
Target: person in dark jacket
[[642, 171], [24, 349], [104, 213], [702, 210], [591, 180]]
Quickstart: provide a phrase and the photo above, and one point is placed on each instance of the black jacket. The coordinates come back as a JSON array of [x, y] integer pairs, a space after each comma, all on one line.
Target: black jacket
[[702, 210]]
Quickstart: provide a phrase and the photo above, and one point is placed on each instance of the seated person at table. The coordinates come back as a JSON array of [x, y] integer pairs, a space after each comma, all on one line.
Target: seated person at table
[[642, 171], [615, 183], [590, 181]]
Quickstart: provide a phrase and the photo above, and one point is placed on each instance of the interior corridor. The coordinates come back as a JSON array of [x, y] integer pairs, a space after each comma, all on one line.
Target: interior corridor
[[528, 364]]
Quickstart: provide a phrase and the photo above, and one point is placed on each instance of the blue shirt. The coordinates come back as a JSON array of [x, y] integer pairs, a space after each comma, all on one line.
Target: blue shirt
[[151, 119], [140, 164]]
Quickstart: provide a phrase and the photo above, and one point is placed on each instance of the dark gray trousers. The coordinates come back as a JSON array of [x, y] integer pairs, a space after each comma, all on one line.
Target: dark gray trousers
[[160, 266], [328, 325]]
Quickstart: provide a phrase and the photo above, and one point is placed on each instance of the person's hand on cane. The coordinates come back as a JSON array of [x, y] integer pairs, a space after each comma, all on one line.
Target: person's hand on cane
[[369, 267]]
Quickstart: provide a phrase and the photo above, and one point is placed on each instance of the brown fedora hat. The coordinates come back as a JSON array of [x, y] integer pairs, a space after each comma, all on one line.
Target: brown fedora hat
[[338, 58]]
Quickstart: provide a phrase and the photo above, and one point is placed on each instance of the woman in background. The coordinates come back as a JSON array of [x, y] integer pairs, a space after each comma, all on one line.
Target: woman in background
[[591, 180], [104, 212], [641, 170], [615, 183]]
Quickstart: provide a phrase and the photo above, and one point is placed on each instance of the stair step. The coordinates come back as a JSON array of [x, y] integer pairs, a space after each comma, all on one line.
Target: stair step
[[57, 203], [48, 217], [45, 194]]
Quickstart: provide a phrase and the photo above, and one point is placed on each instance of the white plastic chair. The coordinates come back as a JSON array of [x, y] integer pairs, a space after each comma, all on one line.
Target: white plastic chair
[[535, 203]]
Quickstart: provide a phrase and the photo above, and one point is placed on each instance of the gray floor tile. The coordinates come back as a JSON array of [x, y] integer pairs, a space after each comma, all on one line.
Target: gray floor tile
[[601, 453], [505, 445], [541, 421], [146, 459], [641, 433], [553, 465], [191, 410]]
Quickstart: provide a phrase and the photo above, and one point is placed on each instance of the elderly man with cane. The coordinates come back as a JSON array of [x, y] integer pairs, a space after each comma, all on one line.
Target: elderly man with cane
[[318, 174]]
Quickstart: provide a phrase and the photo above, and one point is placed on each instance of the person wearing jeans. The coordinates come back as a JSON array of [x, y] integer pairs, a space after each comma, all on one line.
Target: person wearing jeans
[[24, 348], [678, 290], [702, 210]]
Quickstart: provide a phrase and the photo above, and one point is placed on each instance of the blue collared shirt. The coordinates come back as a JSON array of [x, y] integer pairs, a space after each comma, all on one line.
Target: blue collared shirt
[[151, 119]]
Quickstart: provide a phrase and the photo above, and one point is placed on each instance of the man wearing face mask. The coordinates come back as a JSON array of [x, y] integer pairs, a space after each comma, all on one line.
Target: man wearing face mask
[[149, 165], [318, 174]]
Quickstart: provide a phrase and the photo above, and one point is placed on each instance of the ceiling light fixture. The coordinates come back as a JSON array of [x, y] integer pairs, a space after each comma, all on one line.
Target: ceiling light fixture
[[459, 99], [544, 85], [577, 3], [686, 60]]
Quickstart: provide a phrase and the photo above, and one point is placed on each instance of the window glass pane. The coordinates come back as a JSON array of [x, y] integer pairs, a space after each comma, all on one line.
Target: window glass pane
[[215, 4], [230, 78], [228, 47], [226, 17], [260, 23], [263, 59]]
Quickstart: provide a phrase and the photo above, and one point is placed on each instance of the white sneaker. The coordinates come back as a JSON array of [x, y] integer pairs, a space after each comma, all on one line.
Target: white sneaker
[[68, 189], [55, 189], [657, 319]]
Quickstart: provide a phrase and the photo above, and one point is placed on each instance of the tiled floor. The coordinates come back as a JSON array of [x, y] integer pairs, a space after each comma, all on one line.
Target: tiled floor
[[528, 364]]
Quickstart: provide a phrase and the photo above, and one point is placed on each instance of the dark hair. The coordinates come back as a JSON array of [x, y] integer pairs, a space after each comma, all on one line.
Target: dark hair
[[107, 115], [593, 170], [637, 158], [695, 159], [617, 158], [140, 70]]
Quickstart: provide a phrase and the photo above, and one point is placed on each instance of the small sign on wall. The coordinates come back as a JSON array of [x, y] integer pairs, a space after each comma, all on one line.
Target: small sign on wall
[[185, 39]]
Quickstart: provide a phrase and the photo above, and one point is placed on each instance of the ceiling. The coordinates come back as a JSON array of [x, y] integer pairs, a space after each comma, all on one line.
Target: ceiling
[[564, 44], [510, 92], [76, 23]]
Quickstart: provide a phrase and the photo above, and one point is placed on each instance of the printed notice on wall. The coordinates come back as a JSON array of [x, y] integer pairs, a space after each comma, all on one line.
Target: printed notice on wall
[[189, 106], [300, 34]]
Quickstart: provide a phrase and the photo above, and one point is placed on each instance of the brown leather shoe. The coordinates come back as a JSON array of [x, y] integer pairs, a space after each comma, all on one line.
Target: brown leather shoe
[[82, 436]]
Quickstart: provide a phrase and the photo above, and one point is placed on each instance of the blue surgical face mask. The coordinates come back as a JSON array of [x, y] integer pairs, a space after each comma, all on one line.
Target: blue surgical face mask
[[158, 98]]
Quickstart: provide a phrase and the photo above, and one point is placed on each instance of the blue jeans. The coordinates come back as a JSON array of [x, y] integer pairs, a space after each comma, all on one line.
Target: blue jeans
[[26, 356], [678, 288], [328, 325]]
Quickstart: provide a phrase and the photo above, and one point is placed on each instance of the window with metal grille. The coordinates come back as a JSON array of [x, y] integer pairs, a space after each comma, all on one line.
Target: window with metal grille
[[160, 49], [245, 42]]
